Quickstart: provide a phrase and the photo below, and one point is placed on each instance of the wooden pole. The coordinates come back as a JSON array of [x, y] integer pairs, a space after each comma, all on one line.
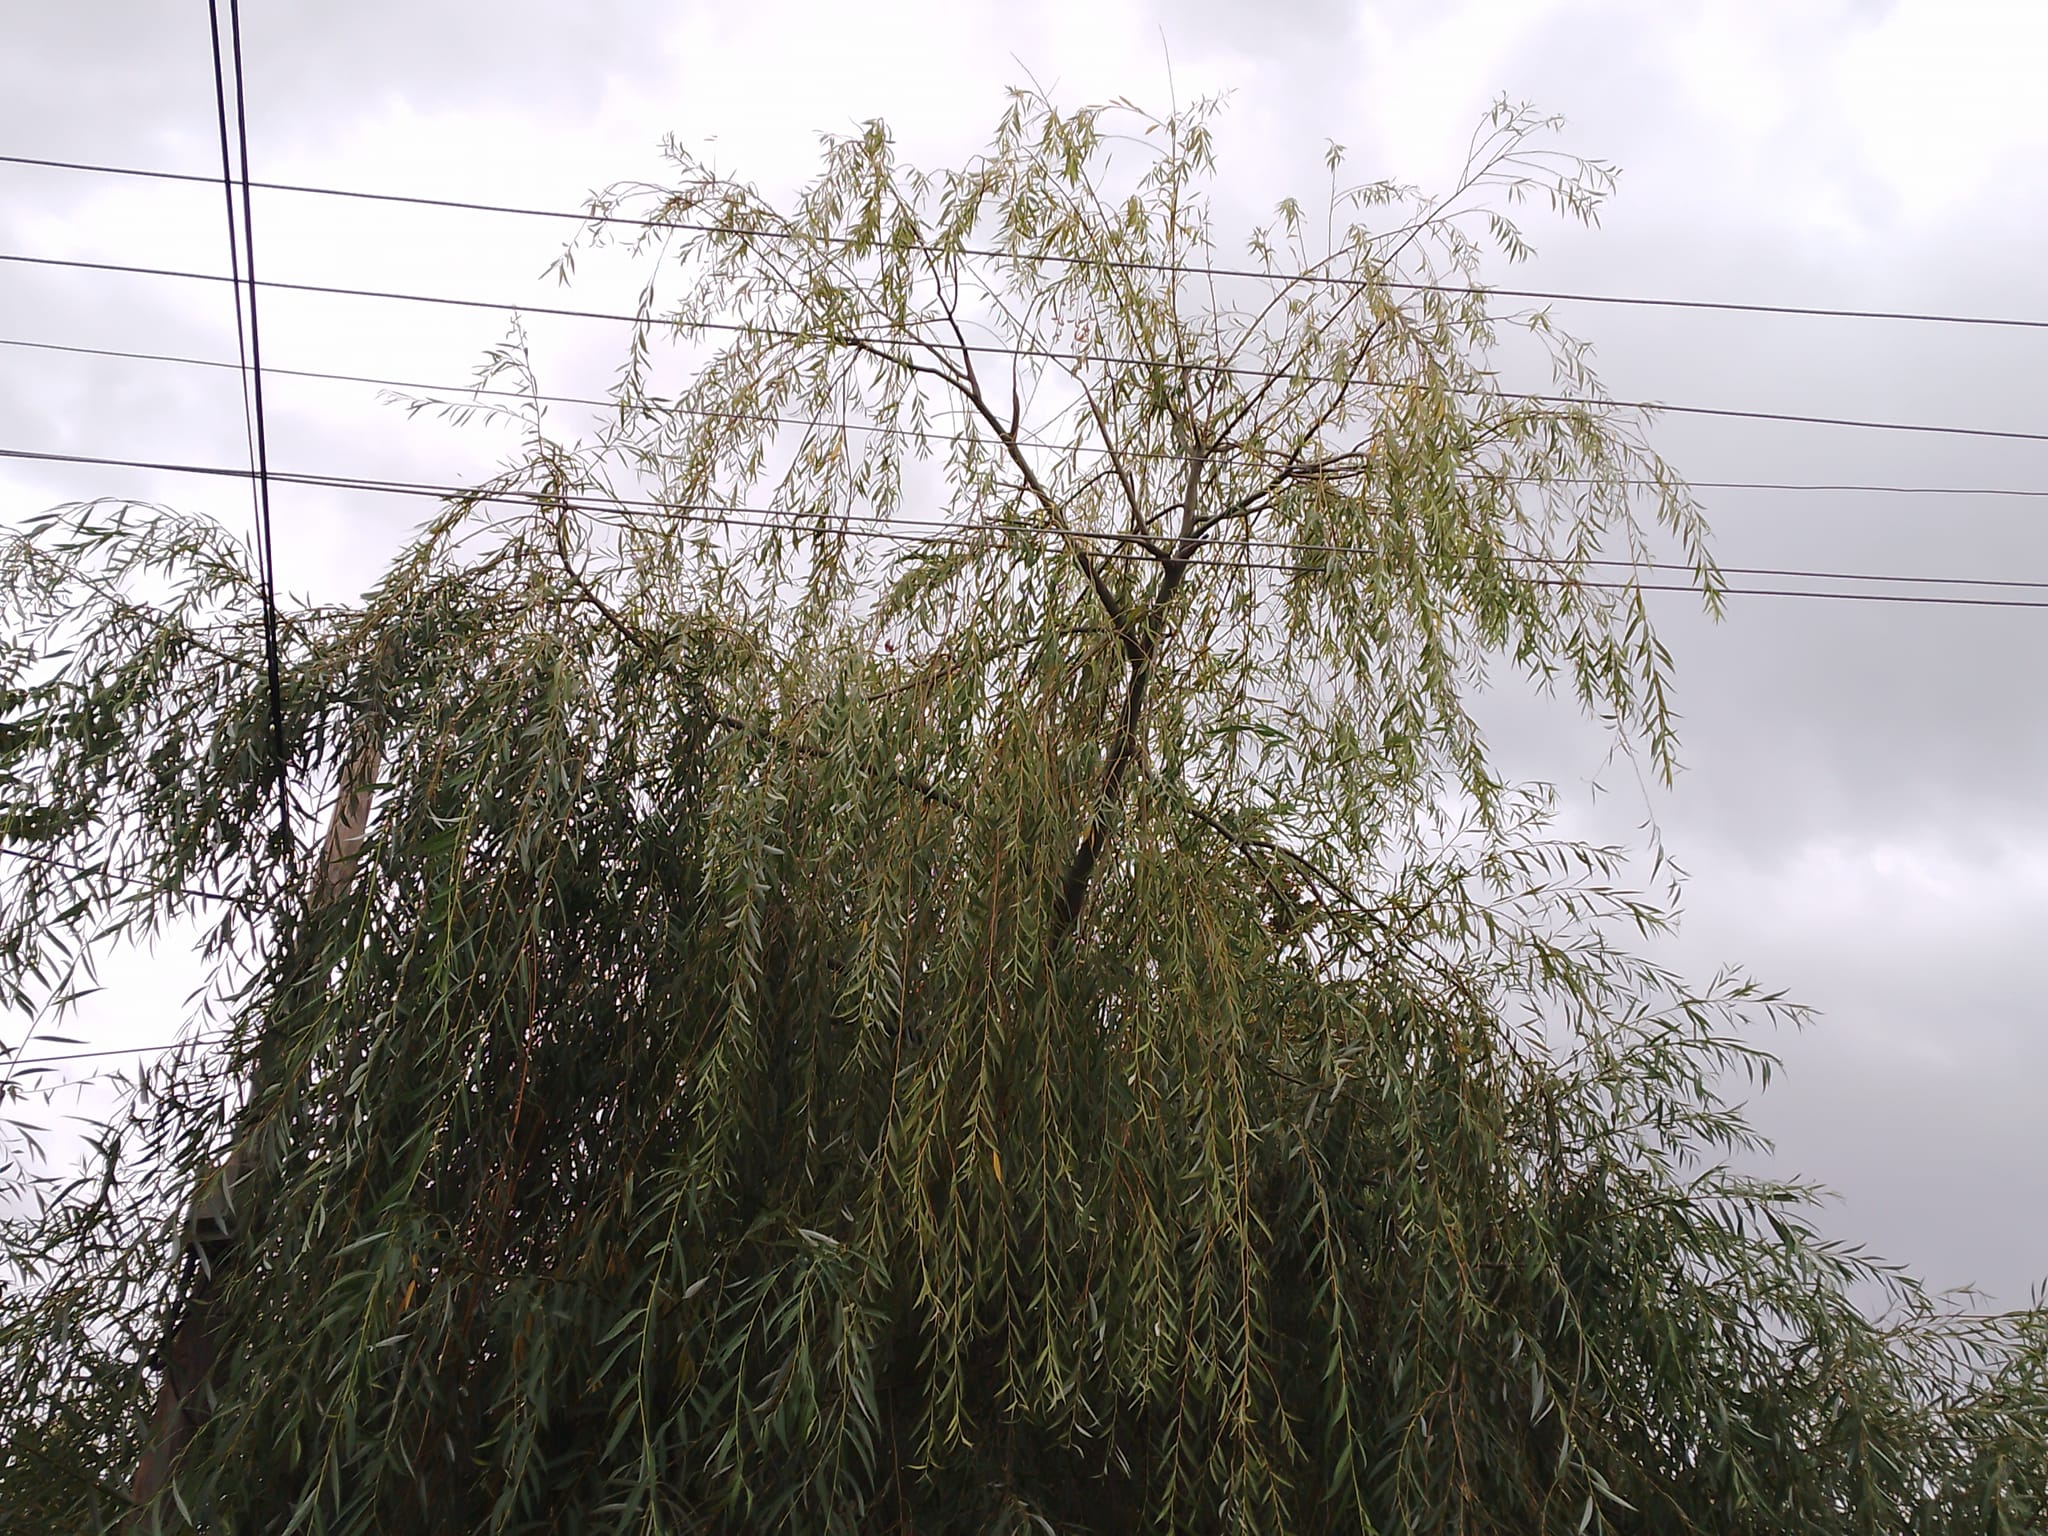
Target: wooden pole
[[192, 1349]]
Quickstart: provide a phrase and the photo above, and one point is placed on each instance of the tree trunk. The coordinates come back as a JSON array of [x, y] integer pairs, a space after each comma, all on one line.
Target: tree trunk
[[193, 1347]]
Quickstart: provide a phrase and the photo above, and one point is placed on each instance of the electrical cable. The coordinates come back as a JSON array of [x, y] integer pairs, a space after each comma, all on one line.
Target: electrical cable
[[1039, 354], [1105, 262], [197, 893], [155, 1048], [877, 429], [891, 530], [253, 373]]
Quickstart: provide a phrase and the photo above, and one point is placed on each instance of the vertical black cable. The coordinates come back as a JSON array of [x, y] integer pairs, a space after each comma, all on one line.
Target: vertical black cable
[[241, 260], [227, 189]]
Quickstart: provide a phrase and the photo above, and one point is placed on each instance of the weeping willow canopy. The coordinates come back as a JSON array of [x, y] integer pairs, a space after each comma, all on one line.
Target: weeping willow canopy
[[937, 948]]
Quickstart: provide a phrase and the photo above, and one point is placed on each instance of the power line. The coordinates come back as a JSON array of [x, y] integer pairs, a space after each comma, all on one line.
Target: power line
[[122, 878], [893, 530], [879, 429], [227, 188], [252, 372], [1106, 262], [1041, 354], [156, 1048]]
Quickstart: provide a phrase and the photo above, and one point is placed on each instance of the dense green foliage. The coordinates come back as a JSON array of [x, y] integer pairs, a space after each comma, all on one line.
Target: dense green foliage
[[938, 948]]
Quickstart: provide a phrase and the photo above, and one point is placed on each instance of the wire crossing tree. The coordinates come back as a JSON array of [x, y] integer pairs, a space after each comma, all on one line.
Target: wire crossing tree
[[938, 948]]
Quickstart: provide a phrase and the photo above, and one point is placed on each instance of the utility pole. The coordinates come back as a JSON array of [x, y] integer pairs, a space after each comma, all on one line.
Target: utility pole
[[213, 1224]]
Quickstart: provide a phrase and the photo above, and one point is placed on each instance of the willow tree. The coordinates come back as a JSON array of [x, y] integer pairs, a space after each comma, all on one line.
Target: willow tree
[[938, 947]]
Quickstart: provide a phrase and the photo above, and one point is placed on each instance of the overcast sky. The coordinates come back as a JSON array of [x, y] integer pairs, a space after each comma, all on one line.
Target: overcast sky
[[1861, 812]]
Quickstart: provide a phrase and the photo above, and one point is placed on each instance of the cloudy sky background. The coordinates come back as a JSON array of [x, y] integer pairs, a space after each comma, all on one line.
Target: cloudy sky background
[[1861, 812]]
